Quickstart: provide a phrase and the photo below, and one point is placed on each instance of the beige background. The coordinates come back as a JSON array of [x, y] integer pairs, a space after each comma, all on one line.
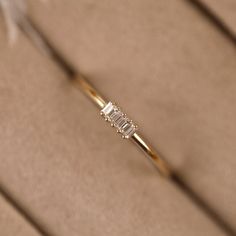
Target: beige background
[[11, 223], [225, 10], [69, 168]]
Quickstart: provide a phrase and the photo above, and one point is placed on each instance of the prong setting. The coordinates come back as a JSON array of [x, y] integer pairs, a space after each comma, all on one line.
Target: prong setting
[[113, 114]]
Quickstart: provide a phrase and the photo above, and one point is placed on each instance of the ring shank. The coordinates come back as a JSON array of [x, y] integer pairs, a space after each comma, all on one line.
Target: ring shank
[[82, 83], [162, 165]]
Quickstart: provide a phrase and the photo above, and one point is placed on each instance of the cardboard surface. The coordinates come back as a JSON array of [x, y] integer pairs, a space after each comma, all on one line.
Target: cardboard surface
[[171, 70], [11, 223], [68, 167]]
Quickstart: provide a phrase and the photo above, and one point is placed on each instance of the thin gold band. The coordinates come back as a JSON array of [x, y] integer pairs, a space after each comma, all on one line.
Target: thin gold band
[[80, 82], [83, 84]]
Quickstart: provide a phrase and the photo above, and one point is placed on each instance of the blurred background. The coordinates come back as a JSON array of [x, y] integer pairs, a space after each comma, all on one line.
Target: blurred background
[[170, 64]]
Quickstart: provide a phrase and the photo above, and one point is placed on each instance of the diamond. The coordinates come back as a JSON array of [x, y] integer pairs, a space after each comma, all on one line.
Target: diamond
[[126, 127], [107, 109], [130, 131], [117, 118], [121, 122]]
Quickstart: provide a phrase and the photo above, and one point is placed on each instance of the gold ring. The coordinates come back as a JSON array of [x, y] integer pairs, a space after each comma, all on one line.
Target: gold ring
[[125, 126]]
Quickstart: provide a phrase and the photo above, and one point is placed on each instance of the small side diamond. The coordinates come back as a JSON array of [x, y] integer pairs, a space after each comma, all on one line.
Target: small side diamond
[[126, 127], [129, 131], [121, 122], [107, 109], [116, 116]]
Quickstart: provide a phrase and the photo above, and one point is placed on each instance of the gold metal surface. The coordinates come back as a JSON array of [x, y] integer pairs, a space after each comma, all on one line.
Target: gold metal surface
[[89, 90], [163, 167]]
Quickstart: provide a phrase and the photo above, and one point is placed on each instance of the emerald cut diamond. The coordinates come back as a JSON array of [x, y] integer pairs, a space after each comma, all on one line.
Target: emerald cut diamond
[[118, 119]]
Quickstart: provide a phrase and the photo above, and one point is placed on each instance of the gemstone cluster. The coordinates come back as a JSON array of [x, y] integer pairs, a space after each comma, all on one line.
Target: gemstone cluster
[[119, 120]]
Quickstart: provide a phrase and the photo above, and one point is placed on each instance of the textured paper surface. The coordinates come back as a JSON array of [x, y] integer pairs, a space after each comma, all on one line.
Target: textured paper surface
[[67, 166], [171, 70]]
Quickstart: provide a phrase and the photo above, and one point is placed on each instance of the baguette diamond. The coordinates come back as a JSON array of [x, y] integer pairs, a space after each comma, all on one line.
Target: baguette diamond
[[118, 119]]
